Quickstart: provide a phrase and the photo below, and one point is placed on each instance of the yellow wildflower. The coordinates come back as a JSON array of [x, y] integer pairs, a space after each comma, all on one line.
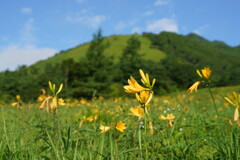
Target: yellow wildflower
[[194, 87], [61, 102], [53, 104], [235, 101], [42, 97], [18, 97], [133, 86], [90, 118], [168, 117], [104, 129], [15, 104], [206, 72], [145, 79], [137, 111], [144, 97], [121, 126]]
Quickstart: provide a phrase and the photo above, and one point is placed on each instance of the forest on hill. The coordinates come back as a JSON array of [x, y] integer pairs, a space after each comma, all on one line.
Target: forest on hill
[[100, 68]]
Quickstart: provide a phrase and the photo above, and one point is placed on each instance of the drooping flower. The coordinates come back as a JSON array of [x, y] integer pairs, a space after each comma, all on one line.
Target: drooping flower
[[168, 117], [137, 111], [121, 126], [234, 100], [194, 87], [52, 101], [19, 102], [43, 96], [205, 75], [133, 86], [104, 129]]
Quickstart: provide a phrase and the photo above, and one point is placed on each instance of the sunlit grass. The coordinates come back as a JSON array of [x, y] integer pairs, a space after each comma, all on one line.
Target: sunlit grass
[[30, 133]]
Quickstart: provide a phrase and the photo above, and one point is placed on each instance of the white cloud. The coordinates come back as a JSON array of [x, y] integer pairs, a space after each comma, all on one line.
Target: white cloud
[[91, 21], [26, 10], [161, 2], [164, 24], [13, 56], [201, 29]]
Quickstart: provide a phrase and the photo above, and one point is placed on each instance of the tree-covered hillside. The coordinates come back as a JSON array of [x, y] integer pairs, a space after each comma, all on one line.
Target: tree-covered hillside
[[102, 66]]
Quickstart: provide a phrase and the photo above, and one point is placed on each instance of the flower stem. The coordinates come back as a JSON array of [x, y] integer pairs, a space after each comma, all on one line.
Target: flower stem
[[140, 139], [215, 107]]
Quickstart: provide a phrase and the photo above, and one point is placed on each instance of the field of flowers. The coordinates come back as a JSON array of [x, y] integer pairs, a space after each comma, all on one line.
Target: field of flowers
[[184, 125]]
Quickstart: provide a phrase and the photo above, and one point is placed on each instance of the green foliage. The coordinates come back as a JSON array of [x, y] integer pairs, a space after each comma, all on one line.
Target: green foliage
[[92, 78], [130, 61], [98, 68]]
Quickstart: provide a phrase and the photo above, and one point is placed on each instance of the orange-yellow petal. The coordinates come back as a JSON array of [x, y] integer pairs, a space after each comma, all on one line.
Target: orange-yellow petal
[[194, 87], [104, 129], [137, 111], [206, 72], [121, 126]]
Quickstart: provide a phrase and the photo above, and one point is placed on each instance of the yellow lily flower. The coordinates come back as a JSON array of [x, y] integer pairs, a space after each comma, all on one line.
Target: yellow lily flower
[[121, 126], [144, 97], [206, 72], [145, 79], [194, 87], [168, 117], [61, 102], [205, 75], [137, 111], [18, 97], [104, 129], [235, 101], [133, 86]]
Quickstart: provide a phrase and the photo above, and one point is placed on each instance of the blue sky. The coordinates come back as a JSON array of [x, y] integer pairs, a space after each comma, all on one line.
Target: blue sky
[[33, 30]]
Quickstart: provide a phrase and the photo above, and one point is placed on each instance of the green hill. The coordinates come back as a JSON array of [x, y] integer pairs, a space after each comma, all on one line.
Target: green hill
[[115, 47], [169, 57]]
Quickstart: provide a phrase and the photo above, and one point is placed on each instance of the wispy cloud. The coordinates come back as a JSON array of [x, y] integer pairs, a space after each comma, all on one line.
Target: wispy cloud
[[201, 29], [26, 33], [148, 13], [121, 25], [161, 2], [13, 56], [24, 51], [91, 21], [26, 10], [164, 24]]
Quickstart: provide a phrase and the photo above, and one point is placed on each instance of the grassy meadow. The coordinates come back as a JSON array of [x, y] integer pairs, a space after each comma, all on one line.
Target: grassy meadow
[[73, 132]]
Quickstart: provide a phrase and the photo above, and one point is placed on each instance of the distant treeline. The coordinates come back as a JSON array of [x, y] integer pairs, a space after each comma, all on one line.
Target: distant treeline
[[98, 75]]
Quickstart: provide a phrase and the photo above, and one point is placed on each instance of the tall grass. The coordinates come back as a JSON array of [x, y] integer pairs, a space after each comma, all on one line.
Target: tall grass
[[195, 133]]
